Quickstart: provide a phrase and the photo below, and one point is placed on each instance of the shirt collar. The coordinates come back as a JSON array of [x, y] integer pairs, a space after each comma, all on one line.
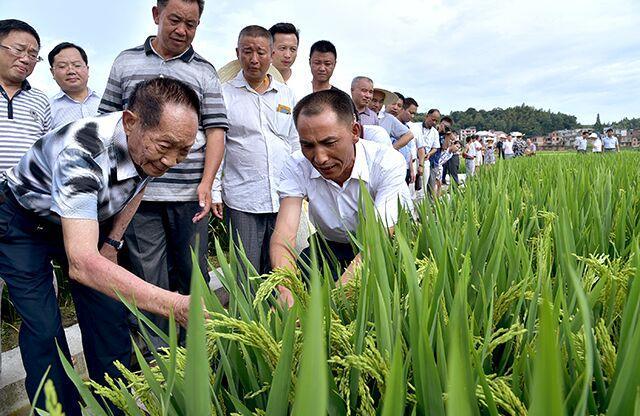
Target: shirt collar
[[360, 168], [25, 86], [185, 56], [62, 94], [240, 81], [125, 168]]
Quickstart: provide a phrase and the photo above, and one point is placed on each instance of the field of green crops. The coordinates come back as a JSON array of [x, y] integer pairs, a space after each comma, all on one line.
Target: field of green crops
[[519, 294]]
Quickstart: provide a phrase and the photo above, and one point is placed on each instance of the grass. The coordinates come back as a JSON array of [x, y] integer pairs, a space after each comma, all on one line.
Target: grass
[[518, 295]]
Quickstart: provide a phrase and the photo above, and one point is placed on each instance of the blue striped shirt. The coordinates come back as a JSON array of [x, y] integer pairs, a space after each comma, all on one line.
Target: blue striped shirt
[[65, 109]]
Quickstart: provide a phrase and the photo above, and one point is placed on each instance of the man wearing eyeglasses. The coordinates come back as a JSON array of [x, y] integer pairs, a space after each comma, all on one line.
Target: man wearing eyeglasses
[[70, 69], [25, 114]]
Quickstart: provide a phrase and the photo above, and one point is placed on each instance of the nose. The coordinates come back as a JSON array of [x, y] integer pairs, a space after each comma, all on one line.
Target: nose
[[170, 159], [181, 29], [320, 157]]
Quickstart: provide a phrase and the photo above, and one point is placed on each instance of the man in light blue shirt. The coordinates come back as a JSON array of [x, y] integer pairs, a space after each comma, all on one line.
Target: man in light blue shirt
[[610, 142], [70, 70]]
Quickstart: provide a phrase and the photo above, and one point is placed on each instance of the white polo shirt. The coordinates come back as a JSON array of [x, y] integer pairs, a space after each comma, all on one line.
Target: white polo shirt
[[260, 138], [333, 209]]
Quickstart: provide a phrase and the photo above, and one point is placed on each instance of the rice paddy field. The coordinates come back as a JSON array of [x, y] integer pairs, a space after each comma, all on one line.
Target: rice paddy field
[[518, 294]]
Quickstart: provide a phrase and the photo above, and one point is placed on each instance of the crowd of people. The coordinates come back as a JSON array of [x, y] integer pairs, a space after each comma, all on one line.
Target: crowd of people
[[118, 188], [609, 142]]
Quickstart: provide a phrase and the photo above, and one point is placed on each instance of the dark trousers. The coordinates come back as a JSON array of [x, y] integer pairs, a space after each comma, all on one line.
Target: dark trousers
[[158, 245], [451, 168], [336, 255], [252, 232], [27, 246]]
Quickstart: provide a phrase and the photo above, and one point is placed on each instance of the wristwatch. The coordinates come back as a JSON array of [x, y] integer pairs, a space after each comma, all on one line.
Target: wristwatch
[[114, 243]]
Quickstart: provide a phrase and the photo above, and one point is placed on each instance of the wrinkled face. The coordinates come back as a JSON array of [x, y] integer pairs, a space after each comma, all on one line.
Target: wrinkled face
[[361, 93], [70, 71], [328, 143], [285, 50], [432, 119], [156, 150], [377, 101], [254, 54], [394, 109], [322, 65], [177, 23], [406, 115], [18, 62]]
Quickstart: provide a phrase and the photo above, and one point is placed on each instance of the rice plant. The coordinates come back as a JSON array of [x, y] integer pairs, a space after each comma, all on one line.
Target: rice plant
[[519, 294]]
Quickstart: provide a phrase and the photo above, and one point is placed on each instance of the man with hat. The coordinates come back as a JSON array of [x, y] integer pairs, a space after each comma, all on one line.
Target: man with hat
[[597, 143], [400, 134], [260, 138], [329, 172]]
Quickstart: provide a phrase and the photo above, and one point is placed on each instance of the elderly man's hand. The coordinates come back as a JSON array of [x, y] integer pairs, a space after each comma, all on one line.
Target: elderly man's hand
[[204, 198], [181, 309], [285, 297], [217, 209]]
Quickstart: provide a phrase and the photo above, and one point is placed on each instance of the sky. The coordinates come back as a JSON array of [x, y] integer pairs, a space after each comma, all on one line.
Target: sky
[[580, 57]]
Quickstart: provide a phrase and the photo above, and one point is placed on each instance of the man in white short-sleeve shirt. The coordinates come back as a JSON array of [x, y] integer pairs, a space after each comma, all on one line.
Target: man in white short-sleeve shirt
[[328, 171]]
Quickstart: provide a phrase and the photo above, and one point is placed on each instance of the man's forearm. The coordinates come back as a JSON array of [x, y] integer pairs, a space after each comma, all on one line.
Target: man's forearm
[[403, 140], [350, 270], [421, 156], [213, 154]]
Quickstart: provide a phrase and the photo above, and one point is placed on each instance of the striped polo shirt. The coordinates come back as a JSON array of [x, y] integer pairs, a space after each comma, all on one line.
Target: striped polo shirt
[[81, 170], [23, 119], [143, 62]]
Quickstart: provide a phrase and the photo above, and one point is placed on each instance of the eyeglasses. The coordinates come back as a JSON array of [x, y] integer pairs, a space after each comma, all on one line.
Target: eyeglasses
[[22, 52], [63, 66]]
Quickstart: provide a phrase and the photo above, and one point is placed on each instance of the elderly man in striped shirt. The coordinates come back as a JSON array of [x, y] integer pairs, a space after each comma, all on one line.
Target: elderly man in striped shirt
[[174, 213]]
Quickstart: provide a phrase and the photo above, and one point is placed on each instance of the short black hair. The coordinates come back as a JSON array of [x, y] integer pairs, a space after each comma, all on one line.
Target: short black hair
[[400, 96], [9, 25], [408, 102], [163, 3], [433, 110], [334, 100], [447, 119], [66, 45], [323, 46], [609, 130], [255, 31], [285, 29], [149, 98]]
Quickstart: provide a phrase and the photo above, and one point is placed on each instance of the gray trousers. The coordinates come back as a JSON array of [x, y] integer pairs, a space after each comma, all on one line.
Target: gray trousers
[[470, 166], [158, 245], [254, 232]]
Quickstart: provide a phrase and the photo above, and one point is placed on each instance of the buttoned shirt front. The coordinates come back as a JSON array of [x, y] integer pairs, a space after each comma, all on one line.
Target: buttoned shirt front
[[581, 143], [65, 109], [81, 170], [23, 119], [333, 209], [260, 138], [609, 142], [367, 116]]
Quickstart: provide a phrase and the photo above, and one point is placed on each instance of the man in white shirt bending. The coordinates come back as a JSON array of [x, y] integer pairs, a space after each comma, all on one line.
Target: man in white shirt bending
[[328, 171]]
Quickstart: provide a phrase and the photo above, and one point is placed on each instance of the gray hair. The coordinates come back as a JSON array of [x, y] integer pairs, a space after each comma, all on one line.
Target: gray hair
[[255, 31], [163, 3], [358, 79]]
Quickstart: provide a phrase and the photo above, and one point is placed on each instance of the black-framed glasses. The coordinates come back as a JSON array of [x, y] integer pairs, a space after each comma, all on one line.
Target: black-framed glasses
[[21, 52]]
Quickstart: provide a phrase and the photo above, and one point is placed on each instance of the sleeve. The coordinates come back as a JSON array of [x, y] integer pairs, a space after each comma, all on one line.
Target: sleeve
[[112, 99], [398, 129], [76, 181], [291, 179], [213, 112], [392, 190]]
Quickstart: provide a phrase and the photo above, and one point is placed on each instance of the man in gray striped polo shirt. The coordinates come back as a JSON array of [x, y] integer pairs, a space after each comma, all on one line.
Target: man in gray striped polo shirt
[[25, 114], [175, 209]]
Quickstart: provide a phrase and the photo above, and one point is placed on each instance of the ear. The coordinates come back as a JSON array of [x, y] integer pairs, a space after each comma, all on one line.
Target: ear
[[129, 121], [356, 129], [156, 14], [237, 53], [51, 69]]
